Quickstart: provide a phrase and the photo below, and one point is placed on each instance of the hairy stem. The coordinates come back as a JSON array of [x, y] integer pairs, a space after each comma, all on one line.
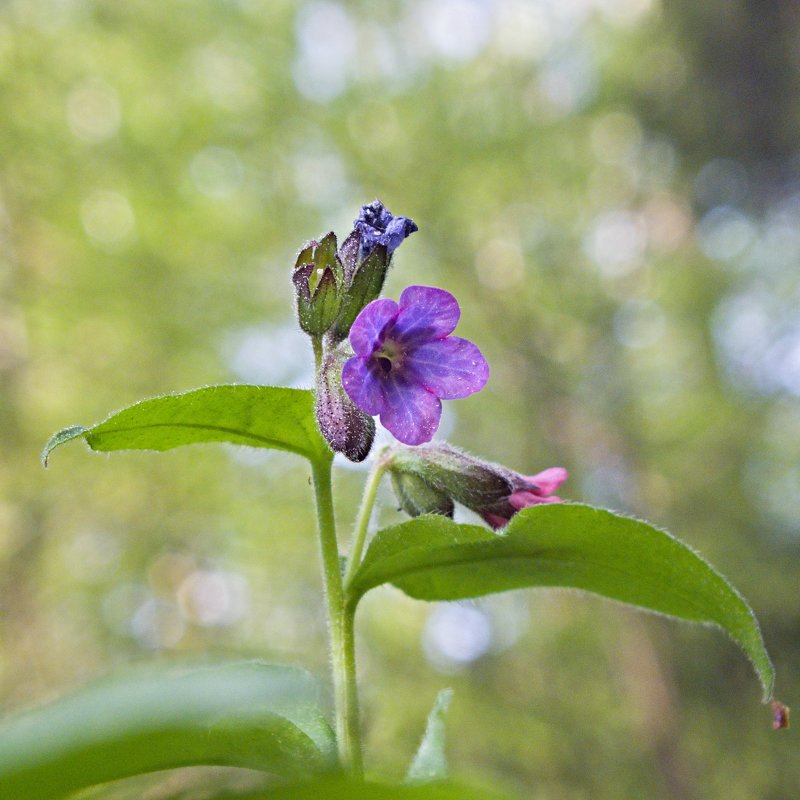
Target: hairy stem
[[364, 514], [340, 627], [316, 342]]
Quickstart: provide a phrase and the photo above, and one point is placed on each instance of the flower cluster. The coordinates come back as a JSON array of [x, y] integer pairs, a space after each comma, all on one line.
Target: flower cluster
[[333, 284], [398, 361], [403, 359]]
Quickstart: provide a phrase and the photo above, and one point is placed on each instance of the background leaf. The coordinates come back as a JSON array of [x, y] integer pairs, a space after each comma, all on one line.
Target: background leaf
[[339, 788], [430, 761], [258, 416], [247, 715], [571, 545]]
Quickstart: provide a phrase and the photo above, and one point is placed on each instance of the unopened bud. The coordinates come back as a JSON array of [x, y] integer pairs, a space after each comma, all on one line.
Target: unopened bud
[[492, 490], [319, 282], [365, 256], [461, 476], [417, 497], [346, 428], [365, 280]]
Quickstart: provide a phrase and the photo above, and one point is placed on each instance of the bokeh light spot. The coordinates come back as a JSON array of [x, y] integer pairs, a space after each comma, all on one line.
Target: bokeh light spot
[[217, 172], [455, 635], [107, 218], [93, 111]]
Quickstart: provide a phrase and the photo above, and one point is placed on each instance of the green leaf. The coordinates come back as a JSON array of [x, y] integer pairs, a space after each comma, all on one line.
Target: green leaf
[[430, 762], [571, 545], [340, 788], [246, 715], [258, 416]]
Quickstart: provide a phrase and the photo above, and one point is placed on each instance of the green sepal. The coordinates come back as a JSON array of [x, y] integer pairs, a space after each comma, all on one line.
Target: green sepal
[[416, 497], [319, 282], [456, 474], [364, 286]]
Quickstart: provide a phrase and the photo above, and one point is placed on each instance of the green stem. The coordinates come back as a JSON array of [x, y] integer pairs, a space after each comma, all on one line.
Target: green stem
[[364, 513], [340, 627], [316, 342]]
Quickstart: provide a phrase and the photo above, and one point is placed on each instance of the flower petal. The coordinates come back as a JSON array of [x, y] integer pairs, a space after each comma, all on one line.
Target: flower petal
[[425, 313], [547, 481], [376, 225], [396, 231], [361, 379], [411, 413], [520, 500], [366, 333], [494, 520], [374, 215], [450, 368]]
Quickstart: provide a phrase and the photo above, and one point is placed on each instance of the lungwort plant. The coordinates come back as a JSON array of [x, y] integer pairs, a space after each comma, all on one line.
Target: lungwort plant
[[395, 360]]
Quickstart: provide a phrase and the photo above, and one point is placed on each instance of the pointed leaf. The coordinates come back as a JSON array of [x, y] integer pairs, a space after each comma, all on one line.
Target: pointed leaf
[[430, 762], [258, 416], [247, 715], [61, 437], [571, 545]]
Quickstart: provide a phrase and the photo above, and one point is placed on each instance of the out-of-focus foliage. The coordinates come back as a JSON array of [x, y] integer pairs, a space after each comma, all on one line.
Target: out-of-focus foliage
[[610, 189], [251, 715]]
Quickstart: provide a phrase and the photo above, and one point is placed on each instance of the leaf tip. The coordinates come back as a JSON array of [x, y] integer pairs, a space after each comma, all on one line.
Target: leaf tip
[[59, 438], [430, 762], [443, 699]]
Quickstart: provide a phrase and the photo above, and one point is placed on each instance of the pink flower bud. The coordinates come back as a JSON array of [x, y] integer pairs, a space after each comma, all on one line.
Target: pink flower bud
[[492, 490]]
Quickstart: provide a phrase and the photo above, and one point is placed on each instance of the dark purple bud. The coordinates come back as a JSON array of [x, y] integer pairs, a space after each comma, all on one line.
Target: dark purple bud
[[346, 428]]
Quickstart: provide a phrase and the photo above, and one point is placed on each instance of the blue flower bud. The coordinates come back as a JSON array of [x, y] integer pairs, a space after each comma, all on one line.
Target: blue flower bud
[[376, 225], [365, 256]]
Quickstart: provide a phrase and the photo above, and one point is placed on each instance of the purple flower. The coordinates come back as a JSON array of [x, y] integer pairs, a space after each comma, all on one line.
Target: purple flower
[[406, 362], [376, 225]]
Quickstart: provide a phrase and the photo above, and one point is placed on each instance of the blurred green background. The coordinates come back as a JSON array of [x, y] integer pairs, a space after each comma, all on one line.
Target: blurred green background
[[612, 190]]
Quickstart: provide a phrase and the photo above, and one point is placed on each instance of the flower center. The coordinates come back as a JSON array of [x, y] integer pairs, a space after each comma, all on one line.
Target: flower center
[[389, 356]]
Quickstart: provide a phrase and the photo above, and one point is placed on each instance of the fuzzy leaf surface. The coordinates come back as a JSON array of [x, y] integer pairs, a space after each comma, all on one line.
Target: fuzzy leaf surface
[[564, 545], [258, 416], [246, 715]]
